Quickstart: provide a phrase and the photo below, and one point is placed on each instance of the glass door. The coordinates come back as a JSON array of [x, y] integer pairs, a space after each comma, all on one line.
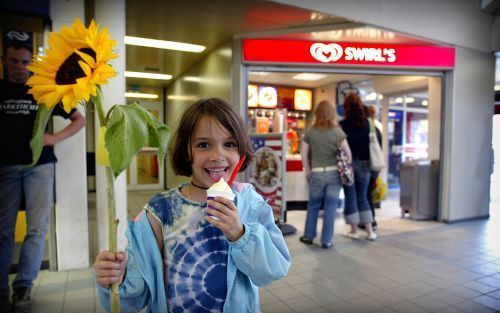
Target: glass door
[[408, 131], [144, 173]]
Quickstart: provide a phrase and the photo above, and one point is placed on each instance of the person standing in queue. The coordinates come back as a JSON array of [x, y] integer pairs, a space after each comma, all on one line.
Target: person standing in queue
[[322, 140], [370, 113], [357, 128], [35, 184]]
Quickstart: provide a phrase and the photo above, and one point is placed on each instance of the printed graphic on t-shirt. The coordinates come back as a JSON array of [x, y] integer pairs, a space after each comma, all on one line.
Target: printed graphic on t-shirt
[[195, 256], [14, 107]]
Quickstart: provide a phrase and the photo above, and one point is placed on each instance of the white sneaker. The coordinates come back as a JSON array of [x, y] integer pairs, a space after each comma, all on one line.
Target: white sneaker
[[372, 236], [352, 235]]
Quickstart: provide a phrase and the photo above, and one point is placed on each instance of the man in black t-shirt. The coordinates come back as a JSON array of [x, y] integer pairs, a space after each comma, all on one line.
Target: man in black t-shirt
[[36, 184]]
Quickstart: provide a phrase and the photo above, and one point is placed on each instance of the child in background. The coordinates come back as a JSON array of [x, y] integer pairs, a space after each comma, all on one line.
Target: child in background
[[179, 258]]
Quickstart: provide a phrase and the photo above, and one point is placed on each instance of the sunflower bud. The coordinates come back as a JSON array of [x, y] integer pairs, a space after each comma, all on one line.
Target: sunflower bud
[[102, 154]]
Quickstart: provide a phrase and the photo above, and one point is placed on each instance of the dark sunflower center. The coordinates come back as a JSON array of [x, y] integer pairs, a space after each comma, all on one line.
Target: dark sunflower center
[[70, 71]]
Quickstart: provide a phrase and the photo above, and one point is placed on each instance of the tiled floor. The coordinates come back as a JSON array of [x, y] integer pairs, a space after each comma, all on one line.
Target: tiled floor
[[412, 267]]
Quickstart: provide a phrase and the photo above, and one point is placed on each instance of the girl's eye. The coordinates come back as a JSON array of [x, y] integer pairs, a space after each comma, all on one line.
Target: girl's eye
[[202, 145], [231, 144]]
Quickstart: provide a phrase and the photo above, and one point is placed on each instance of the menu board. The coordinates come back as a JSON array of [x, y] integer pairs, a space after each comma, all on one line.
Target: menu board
[[271, 97], [285, 97], [303, 100], [268, 97], [253, 96]]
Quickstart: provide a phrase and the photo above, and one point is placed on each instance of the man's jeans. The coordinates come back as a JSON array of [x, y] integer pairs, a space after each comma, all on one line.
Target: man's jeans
[[324, 190], [357, 209], [36, 184]]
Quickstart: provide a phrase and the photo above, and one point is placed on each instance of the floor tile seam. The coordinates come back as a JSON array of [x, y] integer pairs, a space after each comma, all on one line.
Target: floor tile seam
[[64, 295], [470, 300]]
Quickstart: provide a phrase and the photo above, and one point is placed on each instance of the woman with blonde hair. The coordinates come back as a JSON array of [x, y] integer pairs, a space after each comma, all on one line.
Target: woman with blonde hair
[[322, 141]]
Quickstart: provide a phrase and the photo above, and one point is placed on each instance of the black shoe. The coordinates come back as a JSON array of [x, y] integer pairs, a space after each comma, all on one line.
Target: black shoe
[[21, 300], [5, 305], [374, 226], [326, 245], [306, 240]]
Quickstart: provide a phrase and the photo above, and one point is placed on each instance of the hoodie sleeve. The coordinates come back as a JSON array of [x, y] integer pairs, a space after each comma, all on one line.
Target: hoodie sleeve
[[261, 253]]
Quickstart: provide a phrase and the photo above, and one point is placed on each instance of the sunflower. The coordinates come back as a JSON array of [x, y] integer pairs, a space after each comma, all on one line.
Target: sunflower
[[74, 66]]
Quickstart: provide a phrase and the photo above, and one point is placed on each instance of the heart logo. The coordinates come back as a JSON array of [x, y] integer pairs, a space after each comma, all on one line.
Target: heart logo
[[326, 53]]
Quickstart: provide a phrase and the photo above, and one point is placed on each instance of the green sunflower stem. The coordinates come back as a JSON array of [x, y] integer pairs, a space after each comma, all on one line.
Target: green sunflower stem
[[112, 231], [112, 220]]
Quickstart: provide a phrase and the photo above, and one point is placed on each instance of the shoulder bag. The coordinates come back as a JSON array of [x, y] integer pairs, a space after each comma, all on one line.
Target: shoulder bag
[[345, 169], [376, 155]]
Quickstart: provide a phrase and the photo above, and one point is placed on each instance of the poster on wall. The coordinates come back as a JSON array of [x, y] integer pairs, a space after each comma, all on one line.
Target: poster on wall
[[267, 170], [17, 38]]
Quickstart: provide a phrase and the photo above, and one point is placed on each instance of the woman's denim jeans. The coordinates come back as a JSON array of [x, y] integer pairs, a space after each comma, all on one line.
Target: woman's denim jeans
[[36, 184], [324, 190], [357, 209]]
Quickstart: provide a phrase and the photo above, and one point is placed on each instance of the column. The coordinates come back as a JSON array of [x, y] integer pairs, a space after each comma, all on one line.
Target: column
[[71, 207]]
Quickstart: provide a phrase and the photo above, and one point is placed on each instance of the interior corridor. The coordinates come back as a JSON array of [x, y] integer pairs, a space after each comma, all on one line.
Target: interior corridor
[[412, 267]]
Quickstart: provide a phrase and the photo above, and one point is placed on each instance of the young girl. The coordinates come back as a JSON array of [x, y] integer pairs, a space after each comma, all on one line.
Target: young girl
[[179, 258]]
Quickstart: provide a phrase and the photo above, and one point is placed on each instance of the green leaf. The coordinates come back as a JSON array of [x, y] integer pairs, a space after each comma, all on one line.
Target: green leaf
[[42, 118], [158, 135], [127, 132]]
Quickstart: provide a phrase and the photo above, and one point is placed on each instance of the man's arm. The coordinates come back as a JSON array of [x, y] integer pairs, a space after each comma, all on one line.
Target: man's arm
[[77, 123]]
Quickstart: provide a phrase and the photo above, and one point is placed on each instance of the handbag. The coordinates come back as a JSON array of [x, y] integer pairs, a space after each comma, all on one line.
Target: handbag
[[345, 169], [376, 155]]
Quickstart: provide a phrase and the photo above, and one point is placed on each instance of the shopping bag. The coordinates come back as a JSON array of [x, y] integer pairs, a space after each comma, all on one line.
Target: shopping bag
[[376, 155], [379, 190]]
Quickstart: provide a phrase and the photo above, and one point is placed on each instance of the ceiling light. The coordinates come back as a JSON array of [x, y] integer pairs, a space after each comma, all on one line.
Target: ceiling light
[[183, 97], [425, 103], [371, 96], [259, 73], [141, 95], [409, 99], [194, 79], [308, 76], [148, 75], [163, 44]]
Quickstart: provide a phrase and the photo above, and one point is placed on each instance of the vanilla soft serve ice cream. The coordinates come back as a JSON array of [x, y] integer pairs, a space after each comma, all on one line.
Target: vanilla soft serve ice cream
[[220, 189]]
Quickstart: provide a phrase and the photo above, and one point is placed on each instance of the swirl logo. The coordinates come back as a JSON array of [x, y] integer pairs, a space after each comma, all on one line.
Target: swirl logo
[[15, 35], [326, 53]]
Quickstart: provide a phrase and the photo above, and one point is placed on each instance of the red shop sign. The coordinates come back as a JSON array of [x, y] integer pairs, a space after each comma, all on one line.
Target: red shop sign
[[347, 53]]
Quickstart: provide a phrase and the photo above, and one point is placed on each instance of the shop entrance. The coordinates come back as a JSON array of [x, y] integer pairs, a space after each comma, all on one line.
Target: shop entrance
[[407, 105]]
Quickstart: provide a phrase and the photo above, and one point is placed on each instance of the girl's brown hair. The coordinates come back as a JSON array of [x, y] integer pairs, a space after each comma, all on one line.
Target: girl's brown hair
[[355, 110], [325, 116], [180, 145]]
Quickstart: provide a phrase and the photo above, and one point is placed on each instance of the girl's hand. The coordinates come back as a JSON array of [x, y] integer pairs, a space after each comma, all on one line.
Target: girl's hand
[[229, 221], [110, 268]]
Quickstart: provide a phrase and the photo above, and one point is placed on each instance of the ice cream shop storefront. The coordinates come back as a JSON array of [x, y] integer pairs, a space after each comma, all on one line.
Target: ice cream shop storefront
[[282, 80]]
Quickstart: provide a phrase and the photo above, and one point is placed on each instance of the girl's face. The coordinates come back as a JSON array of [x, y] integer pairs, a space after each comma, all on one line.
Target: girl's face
[[215, 152]]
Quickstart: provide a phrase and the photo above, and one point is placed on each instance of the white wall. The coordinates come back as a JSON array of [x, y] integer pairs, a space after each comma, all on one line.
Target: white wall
[[458, 22], [435, 105], [468, 132], [495, 178], [214, 73]]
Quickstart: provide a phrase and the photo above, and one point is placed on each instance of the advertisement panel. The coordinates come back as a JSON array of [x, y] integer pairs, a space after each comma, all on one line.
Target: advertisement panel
[[267, 170]]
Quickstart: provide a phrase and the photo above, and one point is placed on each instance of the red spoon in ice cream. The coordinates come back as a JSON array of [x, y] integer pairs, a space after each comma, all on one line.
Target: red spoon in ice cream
[[236, 170]]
